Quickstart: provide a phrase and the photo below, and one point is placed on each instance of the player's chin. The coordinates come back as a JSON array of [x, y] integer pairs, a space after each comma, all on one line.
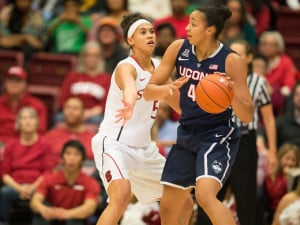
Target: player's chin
[[191, 40]]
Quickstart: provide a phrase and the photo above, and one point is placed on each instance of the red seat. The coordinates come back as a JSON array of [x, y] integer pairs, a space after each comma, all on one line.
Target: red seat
[[46, 74], [288, 25], [50, 69]]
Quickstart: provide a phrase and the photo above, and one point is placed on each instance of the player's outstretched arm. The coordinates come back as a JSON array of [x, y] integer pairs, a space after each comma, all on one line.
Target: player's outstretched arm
[[125, 79], [158, 87], [242, 102]]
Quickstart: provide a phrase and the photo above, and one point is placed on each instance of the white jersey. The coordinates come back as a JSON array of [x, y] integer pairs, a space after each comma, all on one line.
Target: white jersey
[[136, 131]]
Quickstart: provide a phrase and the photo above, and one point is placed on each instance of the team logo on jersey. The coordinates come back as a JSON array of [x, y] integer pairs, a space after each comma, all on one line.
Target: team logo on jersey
[[186, 53], [217, 166], [108, 176]]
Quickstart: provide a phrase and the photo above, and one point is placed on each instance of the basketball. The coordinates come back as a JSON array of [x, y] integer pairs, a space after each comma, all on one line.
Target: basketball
[[214, 93]]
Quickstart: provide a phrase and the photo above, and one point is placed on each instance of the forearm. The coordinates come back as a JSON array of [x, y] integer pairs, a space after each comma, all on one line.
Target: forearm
[[15, 40], [243, 109], [9, 181], [156, 92], [130, 96], [271, 135], [83, 211], [37, 206]]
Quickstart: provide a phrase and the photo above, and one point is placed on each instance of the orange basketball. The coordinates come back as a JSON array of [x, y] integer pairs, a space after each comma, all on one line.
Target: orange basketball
[[214, 93]]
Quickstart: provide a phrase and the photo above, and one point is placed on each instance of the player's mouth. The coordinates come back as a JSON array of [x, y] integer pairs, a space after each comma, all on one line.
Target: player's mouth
[[151, 43]]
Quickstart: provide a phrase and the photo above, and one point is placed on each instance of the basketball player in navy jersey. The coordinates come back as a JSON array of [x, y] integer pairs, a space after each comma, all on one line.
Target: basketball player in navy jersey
[[126, 158], [206, 143]]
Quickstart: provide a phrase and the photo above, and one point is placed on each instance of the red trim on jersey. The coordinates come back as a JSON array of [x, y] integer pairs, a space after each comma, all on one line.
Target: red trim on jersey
[[135, 59]]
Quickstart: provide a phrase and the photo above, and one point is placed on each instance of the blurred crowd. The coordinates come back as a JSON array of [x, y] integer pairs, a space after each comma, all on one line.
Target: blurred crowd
[[48, 163]]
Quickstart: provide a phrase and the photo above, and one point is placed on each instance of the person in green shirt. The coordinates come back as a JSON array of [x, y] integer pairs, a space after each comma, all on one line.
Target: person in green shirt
[[68, 31]]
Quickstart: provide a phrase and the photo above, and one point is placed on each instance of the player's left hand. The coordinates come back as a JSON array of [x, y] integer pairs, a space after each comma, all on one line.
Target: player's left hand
[[125, 113]]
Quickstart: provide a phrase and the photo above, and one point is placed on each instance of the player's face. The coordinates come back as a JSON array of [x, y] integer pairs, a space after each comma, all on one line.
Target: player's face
[[197, 29], [72, 159], [144, 38]]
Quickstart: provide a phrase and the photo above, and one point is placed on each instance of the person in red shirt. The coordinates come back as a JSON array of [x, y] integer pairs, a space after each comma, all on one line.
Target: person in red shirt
[[179, 18], [71, 195], [25, 161], [73, 128], [14, 98], [281, 68], [276, 182], [89, 83]]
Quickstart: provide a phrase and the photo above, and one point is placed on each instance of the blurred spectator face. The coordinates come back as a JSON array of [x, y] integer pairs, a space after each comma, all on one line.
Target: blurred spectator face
[[115, 5], [72, 159], [289, 160], [268, 47], [91, 57], [259, 66], [236, 10], [296, 98], [179, 6], [165, 37], [107, 35], [71, 7], [23, 5], [28, 121], [73, 111], [14, 86]]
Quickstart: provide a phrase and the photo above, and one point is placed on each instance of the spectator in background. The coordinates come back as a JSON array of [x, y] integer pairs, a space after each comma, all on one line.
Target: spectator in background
[[22, 28], [179, 18], [288, 124], [108, 35], [89, 83], [164, 129], [48, 8], [288, 210], [14, 98], [73, 129], [260, 15], [116, 9], [281, 69], [68, 32], [288, 156], [154, 9], [165, 35], [238, 27], [25, 161], [71, 195]]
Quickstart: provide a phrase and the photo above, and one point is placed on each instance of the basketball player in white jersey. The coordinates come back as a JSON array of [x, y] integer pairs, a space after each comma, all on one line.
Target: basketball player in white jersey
[[126, 158]]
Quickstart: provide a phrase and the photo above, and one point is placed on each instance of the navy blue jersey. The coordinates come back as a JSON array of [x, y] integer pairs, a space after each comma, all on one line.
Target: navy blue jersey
[[187, 64]]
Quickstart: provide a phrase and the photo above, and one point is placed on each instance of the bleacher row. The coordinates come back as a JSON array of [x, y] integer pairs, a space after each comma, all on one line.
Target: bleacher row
[[46, 74]]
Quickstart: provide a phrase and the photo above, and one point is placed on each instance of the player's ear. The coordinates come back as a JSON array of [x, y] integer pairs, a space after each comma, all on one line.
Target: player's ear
[[130, 41], [211, 30]]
